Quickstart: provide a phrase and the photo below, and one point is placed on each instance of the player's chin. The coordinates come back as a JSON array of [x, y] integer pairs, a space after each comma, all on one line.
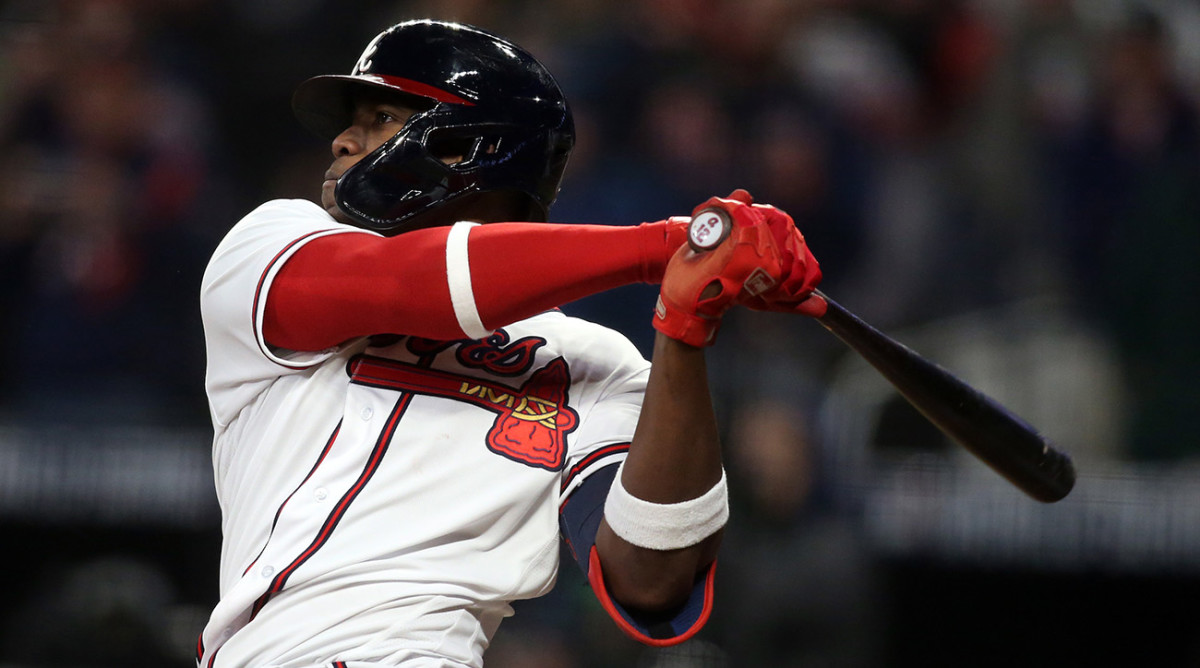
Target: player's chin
[[331, 207], [339, 215]]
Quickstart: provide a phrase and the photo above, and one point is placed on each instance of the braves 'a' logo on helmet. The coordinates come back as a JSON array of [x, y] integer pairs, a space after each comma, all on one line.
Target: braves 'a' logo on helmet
[[364, 61]]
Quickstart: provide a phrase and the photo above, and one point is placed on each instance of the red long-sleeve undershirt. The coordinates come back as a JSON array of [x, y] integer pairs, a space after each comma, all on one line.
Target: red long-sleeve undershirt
[[344, 286]]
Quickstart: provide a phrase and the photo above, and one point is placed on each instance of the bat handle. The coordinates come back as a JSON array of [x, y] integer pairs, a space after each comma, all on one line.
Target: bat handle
[[709, 227]]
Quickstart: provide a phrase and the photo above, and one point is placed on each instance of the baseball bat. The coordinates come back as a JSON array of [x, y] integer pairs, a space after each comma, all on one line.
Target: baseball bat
[[983, 426], [980, 424]]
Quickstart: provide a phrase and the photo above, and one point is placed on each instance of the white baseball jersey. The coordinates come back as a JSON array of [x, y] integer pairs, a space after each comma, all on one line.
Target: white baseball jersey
[[384, 505]]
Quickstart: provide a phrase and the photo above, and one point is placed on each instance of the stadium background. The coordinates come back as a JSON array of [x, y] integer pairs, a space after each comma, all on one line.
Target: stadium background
[[1008, 186]]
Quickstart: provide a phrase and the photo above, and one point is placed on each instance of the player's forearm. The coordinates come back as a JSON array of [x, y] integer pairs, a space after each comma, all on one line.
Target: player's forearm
[[675, 457], [348, 285], [676, 450]]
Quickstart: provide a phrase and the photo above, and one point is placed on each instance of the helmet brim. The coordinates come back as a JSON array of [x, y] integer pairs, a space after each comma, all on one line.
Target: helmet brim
[[324, 105]]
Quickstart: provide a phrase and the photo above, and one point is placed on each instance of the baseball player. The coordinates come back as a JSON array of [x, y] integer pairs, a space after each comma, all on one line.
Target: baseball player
[[406, 427]]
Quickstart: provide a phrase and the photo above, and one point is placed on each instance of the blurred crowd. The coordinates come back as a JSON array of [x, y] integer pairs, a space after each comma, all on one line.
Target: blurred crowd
[[1024, 174]]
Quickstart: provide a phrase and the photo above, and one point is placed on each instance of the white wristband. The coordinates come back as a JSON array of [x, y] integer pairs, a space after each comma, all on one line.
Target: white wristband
[[666, 526]]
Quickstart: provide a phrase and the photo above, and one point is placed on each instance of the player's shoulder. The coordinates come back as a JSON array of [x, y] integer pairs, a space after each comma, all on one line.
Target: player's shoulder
[[281, 221], [286, 210], [267, 231]]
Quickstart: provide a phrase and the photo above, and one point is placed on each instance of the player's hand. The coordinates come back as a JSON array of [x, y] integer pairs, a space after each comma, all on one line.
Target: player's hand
[[698, 287], [801, 273]]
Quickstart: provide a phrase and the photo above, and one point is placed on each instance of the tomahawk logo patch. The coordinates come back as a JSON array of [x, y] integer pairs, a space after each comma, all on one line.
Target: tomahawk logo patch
[[532, 421]]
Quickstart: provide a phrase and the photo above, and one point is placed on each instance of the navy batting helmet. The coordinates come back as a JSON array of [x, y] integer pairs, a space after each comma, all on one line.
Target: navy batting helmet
[[478, 96]]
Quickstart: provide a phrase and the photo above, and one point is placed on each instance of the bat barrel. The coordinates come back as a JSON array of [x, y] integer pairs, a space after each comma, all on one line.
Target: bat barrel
[[996, 436]]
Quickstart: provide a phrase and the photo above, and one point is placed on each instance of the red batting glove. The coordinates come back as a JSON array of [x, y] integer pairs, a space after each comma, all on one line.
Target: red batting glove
[[800, 270], [698, 288]]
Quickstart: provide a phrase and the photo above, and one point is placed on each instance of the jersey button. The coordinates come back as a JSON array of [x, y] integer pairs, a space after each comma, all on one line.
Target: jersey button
[[367, 413], [321, 493], [268, 571]]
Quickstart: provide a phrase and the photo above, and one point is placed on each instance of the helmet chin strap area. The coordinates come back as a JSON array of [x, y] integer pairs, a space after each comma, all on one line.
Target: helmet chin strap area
[[478, 207]]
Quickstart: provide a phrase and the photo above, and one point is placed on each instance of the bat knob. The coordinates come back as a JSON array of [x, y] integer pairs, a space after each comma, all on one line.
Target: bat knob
[[708, 229]]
